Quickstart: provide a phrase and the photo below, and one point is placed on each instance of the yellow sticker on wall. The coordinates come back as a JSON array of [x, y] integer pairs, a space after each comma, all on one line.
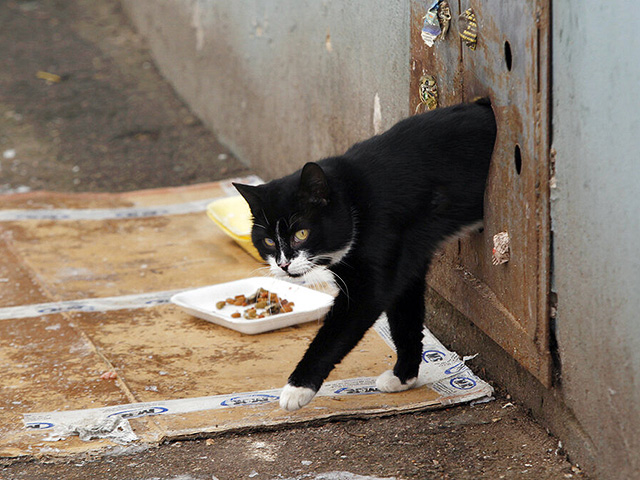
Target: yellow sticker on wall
[[428, 92], [469, 34]]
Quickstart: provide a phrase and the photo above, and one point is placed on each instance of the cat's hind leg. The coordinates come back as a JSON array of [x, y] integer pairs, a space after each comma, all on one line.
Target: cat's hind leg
[[388, 382], [406, 317]]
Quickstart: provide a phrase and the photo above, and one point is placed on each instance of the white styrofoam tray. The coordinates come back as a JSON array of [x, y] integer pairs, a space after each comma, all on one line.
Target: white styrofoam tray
[[201, 302]]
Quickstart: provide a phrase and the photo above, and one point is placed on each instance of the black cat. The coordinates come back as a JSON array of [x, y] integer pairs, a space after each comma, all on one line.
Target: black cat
[[373, 217]]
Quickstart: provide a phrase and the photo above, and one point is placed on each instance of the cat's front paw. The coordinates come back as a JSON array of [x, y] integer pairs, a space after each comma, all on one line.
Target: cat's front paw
[[389, 383], [292, 398]]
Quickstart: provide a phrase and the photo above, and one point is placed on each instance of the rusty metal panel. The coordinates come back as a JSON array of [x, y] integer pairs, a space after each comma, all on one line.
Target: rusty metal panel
[[510, 64], [443, 60]]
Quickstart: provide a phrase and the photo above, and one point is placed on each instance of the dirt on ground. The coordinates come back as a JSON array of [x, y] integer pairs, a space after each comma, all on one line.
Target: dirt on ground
[[493, 440], [83, 108]]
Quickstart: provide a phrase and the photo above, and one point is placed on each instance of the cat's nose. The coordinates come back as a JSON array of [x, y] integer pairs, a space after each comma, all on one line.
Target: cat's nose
[[284, 265]]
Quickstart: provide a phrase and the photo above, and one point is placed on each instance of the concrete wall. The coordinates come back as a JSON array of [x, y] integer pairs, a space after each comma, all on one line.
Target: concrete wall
[[283, 82], [596, 223], [287, 81]]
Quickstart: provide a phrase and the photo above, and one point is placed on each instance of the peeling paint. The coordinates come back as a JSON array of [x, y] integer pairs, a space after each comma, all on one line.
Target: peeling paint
[[196, 23], [327, 42], [377, 115]]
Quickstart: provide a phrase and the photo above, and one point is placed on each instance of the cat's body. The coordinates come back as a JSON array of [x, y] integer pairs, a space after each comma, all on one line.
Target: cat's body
[[374, 217]]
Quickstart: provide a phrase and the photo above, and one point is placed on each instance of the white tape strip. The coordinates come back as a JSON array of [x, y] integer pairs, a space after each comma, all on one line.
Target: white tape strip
[[64, 421], [122, 213], [89, 305], [104, 213], [51, 420]]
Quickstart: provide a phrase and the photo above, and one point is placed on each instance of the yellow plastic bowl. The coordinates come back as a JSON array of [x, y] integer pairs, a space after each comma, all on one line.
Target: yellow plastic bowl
[[233, 216]]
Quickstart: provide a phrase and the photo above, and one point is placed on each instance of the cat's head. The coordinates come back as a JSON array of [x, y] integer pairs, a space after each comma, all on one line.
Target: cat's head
[[300, 223]]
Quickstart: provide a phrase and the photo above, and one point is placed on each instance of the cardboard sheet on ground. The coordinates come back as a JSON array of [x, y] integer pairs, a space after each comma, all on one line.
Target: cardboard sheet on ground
[[85, 282]]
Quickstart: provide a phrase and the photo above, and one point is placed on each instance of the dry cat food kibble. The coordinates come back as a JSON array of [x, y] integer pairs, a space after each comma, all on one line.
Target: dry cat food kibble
[[261, 304]]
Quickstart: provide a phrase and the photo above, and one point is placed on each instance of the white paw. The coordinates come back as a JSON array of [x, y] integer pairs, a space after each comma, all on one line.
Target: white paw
[[292, 398], [388, 382]]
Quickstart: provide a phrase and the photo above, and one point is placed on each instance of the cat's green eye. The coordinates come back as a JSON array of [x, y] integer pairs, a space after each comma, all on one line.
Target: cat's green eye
[[269, 243], [301, 235]]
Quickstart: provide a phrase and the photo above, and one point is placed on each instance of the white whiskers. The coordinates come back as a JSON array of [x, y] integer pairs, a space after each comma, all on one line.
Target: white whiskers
[[260, 271]]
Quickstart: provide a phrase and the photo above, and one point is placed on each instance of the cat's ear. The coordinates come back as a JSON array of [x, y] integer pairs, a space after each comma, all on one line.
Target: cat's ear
[[314, 188], [252, 195]]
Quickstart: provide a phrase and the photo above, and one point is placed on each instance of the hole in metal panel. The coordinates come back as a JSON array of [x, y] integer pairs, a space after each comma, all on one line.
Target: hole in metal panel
[[508, 57], [517, 158]]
